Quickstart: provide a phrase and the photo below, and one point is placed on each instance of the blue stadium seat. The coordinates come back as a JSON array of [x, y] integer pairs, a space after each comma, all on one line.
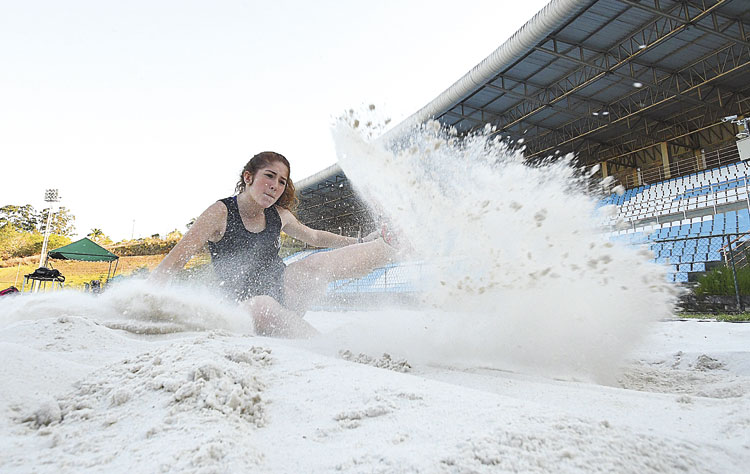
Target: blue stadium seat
[[743, 220]]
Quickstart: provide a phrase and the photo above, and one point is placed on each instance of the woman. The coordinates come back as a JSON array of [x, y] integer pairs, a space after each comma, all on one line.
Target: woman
[[243, 235]]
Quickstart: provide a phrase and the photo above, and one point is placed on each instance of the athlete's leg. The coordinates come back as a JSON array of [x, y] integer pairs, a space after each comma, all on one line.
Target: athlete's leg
[[272, 319], [306, 280]]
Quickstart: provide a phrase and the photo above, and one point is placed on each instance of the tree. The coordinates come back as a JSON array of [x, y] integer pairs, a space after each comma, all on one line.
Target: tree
[[98, 236], [23, 218], [14, 243], [62, 221], [95, 234], [11, 239], [33, 244], [174, 235], [26, 219]]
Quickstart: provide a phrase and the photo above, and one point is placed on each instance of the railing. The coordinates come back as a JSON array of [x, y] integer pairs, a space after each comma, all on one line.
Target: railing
[[729, 257], [681, 165], [742, 259], [668, 204]]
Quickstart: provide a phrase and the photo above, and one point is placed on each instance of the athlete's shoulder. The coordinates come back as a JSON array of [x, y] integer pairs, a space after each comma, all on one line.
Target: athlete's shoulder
[[217, 211], [224, 202], [220, 205], [284, 214]]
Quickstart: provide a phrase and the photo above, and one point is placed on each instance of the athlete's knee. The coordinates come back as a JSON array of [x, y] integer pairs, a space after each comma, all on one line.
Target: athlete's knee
[[259, 303], [266, 314]]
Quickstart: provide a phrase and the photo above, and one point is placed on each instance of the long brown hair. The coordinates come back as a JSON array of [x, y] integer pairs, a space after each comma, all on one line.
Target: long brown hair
[[288, 199]]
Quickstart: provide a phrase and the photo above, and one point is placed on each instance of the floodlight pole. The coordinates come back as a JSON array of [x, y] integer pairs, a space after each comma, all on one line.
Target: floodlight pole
[[51, 196]]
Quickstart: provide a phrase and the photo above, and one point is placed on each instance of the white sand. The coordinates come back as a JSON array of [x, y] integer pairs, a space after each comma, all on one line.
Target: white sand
[[77, 396]]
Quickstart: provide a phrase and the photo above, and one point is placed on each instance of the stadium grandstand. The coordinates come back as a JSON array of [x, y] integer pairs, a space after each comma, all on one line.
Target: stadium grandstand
[[655, 92]]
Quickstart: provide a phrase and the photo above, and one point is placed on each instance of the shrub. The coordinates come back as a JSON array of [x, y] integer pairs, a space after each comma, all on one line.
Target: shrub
[[14, 243], [148, 246], [720, 282]]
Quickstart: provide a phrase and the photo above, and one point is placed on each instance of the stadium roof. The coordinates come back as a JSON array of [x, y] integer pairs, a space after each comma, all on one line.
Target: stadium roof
[[605, 79]]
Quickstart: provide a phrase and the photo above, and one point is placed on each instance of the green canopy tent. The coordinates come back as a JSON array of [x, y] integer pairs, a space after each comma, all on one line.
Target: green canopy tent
[[87, 251]]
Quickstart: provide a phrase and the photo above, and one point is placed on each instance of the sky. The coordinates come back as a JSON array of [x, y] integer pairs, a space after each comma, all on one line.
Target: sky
[[143, 113]]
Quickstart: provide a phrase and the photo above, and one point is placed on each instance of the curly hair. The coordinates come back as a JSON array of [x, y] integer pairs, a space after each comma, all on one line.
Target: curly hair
[[288, 199]]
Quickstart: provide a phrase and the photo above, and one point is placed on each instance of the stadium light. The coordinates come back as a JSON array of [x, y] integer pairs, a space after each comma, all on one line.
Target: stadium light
[[742, 123], [51, 196]]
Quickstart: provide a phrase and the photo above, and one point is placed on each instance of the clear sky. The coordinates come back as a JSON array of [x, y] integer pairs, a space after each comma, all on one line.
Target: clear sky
[[143, 112]]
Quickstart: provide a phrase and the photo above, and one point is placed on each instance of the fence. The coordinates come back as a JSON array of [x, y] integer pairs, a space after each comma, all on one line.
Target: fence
[[723, 260], [681, 165], [392, 278], [724, 256]]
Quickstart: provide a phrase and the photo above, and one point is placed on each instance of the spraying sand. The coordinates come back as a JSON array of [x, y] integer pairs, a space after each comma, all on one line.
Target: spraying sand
[[519, 257]]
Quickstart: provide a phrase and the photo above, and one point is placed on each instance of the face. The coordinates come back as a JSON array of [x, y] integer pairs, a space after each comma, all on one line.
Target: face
[[268, 184]]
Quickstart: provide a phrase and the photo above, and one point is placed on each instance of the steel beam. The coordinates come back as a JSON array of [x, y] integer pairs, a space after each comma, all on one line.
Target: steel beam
[[648, 37], [685, 18]]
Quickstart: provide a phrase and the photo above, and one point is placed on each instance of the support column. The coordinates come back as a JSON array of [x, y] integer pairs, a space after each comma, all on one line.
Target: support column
[[700, 160], [605, 172], [665, 159]]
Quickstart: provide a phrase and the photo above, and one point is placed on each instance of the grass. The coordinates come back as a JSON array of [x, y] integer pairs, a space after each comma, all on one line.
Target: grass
[[733, 318], [78, 273]]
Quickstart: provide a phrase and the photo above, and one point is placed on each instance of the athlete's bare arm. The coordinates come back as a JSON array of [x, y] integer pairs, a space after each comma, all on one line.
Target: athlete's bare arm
[[314, 237], [210, 225]]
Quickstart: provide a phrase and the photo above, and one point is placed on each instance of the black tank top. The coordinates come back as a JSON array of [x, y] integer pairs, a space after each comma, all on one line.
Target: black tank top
[[247, 263]]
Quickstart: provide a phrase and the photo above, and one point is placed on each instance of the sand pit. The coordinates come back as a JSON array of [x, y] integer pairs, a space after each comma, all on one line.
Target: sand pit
[[78, 396], [539, 346]]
